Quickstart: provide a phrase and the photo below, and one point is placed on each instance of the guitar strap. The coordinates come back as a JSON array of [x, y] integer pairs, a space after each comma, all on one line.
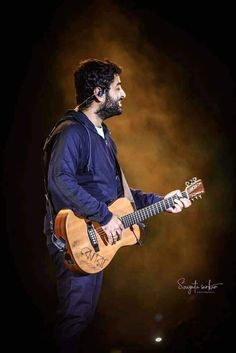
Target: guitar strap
[[60, 125], [127, 191], [126, 188]]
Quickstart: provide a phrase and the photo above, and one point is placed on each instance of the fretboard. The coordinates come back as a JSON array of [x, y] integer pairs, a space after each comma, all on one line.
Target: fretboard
[[142, 214]]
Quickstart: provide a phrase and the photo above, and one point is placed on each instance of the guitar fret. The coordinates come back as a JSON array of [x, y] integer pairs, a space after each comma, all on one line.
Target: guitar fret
[[162, 205], [168, 202], [146, 214], [124, 221]]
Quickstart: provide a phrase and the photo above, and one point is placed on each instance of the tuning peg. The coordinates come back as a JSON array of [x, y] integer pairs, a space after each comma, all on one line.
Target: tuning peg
[[193, 180], [200, 196]]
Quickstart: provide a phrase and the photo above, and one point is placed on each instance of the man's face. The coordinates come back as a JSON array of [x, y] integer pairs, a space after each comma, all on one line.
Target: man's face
[[112, 105]]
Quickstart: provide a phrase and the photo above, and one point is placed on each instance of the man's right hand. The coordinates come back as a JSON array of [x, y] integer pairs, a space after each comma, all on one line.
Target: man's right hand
[[113, 229]]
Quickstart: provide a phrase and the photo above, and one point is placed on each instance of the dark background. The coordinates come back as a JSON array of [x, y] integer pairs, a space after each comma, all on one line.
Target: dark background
[[213, 28]]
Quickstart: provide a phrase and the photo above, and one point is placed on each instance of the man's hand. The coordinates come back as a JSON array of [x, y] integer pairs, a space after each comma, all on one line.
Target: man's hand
[[113, 229], [183, 202]]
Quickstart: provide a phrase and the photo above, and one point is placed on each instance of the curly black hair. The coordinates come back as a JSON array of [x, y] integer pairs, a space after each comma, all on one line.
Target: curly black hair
[[93, 73]]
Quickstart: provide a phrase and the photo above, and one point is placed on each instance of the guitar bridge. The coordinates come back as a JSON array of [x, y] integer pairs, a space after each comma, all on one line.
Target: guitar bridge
[[92, 236]]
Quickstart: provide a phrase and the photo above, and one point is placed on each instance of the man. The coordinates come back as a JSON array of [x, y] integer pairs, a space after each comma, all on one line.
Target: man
[[83, 175]]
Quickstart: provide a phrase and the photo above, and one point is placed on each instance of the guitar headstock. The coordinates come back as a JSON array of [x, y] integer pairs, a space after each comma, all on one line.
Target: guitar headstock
[[194, 188]]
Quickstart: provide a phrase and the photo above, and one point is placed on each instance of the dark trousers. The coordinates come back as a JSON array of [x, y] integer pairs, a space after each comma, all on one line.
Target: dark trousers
[[78, 296]]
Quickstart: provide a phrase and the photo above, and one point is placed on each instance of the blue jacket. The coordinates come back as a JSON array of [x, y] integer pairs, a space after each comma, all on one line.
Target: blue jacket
[[82, 172]]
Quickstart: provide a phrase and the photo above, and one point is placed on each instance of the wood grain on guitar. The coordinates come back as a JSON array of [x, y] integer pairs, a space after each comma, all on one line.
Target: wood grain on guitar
[[87, 249]]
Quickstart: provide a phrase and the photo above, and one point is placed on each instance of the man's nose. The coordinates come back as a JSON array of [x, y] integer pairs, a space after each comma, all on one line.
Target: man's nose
[[123, 94]]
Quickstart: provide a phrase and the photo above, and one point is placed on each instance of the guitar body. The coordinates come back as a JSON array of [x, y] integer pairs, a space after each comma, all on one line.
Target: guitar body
[[80, 254]]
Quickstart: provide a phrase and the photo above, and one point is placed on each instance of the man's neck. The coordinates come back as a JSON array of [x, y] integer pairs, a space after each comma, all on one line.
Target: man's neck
[[92, 116]]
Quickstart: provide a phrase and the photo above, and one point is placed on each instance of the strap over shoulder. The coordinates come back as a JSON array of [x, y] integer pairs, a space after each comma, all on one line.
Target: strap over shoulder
[[59, 127]]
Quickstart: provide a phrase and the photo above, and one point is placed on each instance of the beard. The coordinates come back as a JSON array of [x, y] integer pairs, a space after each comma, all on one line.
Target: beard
[[109, 108]]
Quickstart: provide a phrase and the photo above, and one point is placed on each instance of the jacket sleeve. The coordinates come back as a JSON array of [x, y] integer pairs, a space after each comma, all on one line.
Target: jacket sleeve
[[67, 156], [143, 199]]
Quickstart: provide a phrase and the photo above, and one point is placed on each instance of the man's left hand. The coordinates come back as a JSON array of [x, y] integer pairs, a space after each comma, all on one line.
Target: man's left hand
[[181, 203]]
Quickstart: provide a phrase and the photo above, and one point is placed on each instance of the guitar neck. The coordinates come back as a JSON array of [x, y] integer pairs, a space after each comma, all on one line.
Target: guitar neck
[[149, 211]]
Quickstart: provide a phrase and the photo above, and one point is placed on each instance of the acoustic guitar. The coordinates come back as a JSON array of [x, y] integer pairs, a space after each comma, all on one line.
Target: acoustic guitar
[[87, 249]]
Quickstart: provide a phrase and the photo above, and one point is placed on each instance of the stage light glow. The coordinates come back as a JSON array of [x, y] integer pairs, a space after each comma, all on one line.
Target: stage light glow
[[158, 339]]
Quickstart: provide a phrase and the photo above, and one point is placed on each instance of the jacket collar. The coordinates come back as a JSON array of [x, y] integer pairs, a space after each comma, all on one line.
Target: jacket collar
[[82, 118]]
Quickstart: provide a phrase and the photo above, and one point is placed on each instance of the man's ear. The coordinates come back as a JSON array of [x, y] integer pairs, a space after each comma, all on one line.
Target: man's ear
[[98, 92]]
